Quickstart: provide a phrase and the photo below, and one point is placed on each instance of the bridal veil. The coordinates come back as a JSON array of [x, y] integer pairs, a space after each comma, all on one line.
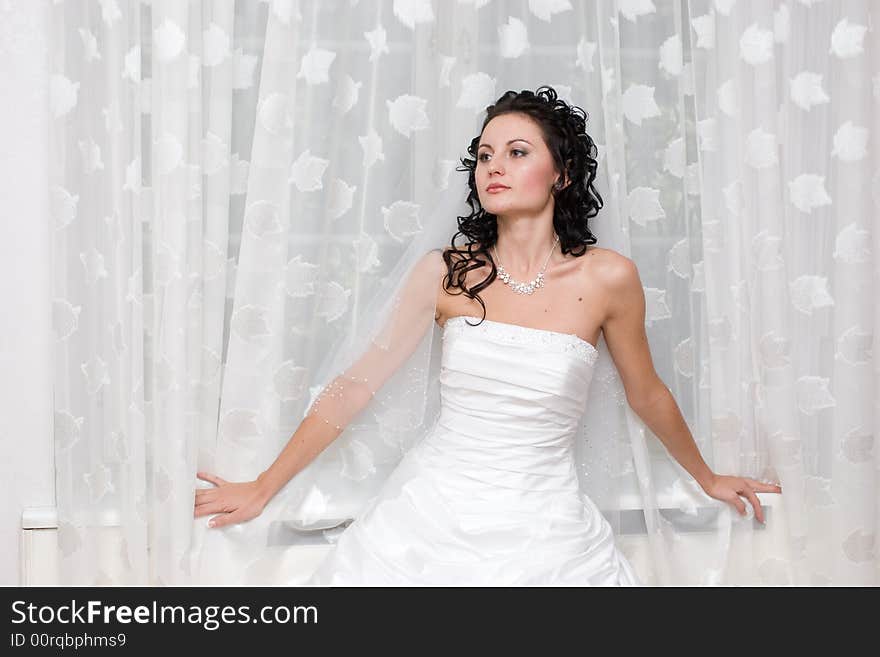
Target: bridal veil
[[379, 385]]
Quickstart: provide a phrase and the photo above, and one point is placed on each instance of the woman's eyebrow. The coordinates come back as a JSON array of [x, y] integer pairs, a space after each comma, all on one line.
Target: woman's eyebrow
[[510, 142]]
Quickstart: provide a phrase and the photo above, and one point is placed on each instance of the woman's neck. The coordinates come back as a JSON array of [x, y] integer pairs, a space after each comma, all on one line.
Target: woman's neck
[[523, 246]]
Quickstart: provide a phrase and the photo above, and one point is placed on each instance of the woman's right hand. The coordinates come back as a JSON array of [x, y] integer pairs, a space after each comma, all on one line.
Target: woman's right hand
[[234, 502]]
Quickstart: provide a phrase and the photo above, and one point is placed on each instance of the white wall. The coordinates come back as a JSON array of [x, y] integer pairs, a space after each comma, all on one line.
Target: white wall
[[26, 470]]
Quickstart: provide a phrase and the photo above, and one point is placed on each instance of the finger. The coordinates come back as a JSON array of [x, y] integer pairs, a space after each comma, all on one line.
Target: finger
[[765, 488], [208, 509], [739, 505], [214, 479], [202, 510], [759, 512], [222, 520], [207, 495], [203, 502]]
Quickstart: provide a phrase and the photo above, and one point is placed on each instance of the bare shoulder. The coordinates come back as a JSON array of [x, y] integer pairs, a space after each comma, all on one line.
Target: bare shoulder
[[433, 261], [613, 270]]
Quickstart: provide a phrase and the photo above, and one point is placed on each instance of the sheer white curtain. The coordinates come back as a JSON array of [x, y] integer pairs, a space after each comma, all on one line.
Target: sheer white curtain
[[789, 147], [232, 179]]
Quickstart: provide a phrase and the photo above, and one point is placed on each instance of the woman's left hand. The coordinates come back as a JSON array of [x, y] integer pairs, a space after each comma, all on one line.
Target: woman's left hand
[[728, 489], [233, 502]]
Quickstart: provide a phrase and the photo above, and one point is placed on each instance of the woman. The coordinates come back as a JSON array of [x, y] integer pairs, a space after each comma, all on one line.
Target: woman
[[490, 494]]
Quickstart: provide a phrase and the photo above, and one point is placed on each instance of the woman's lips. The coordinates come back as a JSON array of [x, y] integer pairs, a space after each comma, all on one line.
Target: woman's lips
[[495, 190]]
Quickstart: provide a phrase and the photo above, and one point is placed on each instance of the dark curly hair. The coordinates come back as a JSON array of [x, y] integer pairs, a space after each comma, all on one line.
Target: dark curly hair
[[563, 127]]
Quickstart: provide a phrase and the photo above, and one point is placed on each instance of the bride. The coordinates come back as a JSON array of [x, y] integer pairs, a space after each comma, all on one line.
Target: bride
[[489, 494]]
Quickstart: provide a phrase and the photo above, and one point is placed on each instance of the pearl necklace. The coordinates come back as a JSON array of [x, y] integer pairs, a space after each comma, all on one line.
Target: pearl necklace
[[524, 288]]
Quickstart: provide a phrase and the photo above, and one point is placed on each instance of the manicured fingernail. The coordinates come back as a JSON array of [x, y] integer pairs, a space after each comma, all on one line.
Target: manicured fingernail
[[210, 523]]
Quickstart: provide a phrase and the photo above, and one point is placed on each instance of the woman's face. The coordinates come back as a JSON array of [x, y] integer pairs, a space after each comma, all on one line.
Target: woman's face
[[512, 152]]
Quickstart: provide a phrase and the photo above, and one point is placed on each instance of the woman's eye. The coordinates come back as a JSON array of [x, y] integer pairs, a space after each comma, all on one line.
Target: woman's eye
[[515, 150]]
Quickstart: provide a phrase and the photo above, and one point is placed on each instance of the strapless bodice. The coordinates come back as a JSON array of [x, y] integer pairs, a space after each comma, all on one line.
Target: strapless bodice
[[496, 376]]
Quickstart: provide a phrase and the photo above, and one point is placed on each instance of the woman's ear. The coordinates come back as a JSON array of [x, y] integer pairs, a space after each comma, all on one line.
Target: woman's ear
[[561, 185], [565, 179]]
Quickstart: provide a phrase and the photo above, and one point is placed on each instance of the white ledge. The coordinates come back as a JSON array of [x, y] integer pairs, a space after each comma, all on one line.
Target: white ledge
[[39, 517]]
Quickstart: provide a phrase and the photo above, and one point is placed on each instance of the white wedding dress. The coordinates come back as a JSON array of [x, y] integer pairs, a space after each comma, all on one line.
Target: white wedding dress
[[490, 495]]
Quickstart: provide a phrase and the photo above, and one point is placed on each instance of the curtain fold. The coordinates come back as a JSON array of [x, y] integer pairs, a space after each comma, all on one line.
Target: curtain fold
[[232, 181]]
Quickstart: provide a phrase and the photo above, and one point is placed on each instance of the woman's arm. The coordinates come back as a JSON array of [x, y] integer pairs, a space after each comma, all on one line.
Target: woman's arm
[[340, 401], [624, 331], [240, 501]]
